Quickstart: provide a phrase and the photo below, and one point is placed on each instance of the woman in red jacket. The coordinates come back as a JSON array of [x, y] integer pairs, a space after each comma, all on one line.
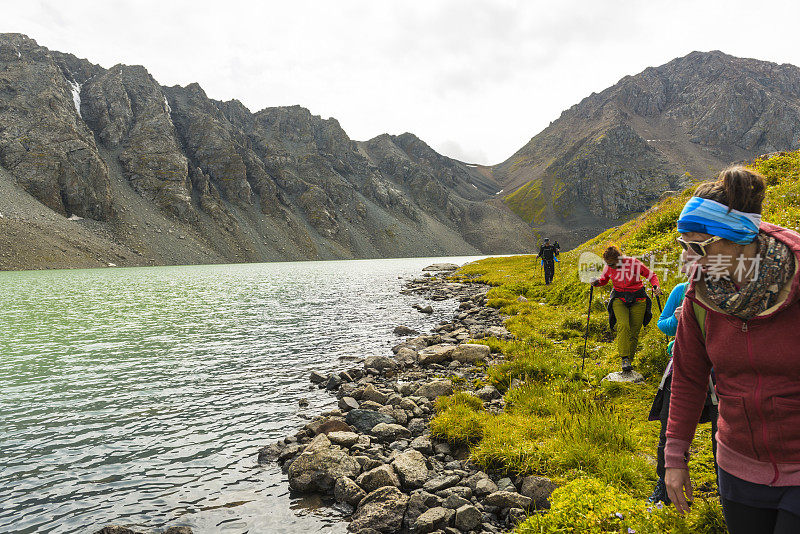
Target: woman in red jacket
[[629, 306], [746, 279]]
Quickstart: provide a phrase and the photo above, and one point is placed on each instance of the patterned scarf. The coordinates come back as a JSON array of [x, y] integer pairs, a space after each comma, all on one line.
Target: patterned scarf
[[774, 270]]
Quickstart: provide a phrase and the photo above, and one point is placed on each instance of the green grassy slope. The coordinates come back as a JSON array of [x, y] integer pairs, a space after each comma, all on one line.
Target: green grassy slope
[[560, 421]]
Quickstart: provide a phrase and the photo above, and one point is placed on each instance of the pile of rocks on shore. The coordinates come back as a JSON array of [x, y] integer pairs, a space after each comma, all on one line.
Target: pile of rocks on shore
[[375, 455]]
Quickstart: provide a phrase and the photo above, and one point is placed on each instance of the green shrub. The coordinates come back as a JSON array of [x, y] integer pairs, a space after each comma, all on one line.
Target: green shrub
[[587, 505], [459, 398], [458, 425]]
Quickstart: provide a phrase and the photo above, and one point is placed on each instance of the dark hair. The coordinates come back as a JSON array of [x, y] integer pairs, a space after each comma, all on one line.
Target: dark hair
[[737, 187], [611, 254]]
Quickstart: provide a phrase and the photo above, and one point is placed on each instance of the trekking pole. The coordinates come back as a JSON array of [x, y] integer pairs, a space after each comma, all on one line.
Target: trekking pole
[[660, 311], [586, 337]]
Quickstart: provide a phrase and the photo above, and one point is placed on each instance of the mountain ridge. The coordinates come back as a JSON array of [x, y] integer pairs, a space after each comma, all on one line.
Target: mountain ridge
[[649, 133], [277, 184]]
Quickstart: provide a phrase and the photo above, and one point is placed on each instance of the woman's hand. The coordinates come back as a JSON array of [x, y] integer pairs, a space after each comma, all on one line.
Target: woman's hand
[[678, 312], [657, 290], [679, 488]]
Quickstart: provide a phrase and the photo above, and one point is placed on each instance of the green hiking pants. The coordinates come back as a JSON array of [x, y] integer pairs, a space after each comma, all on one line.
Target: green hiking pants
[[629, 322]]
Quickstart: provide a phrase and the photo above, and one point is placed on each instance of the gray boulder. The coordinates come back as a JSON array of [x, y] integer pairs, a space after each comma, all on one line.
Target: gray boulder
[[319, 465], [508, 499], [485, 486], [365, 420], [419, 502], [347, 491], [422, 444], [435, 388], [433, 519], [470, 353], [411, 468], [373, 479], [435, 353], [379, 363], [388, 432], [468, 518], [441, 482], [538, 489], [436, 267], [348, 403], [381, 510], [404, 331], [344, 439], [371, 393]]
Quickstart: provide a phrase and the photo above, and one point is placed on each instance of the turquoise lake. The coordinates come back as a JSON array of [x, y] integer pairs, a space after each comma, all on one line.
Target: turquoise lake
[[141, 396]]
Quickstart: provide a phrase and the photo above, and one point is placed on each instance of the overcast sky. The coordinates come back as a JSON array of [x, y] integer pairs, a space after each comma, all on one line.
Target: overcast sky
[[475, 79]]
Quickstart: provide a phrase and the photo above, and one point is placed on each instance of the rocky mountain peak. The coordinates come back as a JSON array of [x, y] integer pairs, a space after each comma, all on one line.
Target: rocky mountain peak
[[695, 114]]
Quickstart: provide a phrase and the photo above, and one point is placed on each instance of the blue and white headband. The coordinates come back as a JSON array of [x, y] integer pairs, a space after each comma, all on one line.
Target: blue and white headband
[[711, 217]]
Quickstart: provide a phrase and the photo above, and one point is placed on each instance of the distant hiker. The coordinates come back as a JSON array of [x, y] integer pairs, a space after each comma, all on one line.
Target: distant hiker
[[547, 254], [629, 305], [668, 323], [558, 247], [746, 281]]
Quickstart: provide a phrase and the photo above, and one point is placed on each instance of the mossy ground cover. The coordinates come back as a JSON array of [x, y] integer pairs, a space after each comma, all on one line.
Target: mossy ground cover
[[561, 419]]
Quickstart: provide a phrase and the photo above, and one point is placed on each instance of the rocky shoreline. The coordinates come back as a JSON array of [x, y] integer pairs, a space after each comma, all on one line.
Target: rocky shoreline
[[375, 455]]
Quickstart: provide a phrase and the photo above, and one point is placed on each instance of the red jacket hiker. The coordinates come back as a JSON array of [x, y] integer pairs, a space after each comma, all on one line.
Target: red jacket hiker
[[626, 276], [757, 368]]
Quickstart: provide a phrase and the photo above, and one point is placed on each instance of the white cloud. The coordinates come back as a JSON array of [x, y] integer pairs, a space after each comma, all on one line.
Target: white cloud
[[473, 78]]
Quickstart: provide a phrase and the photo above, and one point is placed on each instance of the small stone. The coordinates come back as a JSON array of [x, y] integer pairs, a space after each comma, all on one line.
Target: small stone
[[508, 499], [381, 510], [515, 516], [404, 331], [539, 490], [347, 491], [441, 482], [388, 432], [383, 475], [380, 363], [317, 377], [371, 393], [505, 484], [470, 353], [485, 486], [411, 468], [345, 439], [468, 518], [419, 502], [365, 420], [348, 403], [454, 502], [417, 426], [488, 393], [435, 354], [422, 444], [434, 519], [442, 448], [435, 388]]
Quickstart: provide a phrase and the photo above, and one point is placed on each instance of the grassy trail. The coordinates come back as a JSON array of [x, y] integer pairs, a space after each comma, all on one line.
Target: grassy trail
[[590, 436]]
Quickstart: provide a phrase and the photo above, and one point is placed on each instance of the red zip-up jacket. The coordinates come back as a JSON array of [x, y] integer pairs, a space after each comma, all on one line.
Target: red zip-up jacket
[[626, 276], [757, 368]]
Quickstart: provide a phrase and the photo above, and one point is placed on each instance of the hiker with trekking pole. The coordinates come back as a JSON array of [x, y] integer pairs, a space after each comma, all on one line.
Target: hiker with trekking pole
[[659, 411], [548, 255], [744, 321], [629, 307]]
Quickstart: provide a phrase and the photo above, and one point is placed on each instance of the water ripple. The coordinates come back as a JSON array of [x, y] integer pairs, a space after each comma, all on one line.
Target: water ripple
[[141, 396]]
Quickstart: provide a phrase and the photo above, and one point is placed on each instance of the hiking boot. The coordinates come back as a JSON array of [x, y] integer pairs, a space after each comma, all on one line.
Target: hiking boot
[[659, 493], [626, 365]]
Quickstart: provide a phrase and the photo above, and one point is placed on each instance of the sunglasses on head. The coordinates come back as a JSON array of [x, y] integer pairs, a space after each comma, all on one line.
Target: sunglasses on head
[[698, 247]]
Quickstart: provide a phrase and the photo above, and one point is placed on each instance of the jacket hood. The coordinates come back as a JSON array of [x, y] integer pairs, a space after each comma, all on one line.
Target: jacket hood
[[789, 296]]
